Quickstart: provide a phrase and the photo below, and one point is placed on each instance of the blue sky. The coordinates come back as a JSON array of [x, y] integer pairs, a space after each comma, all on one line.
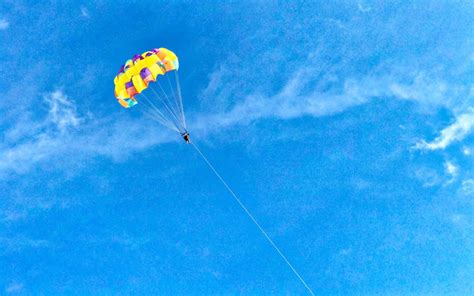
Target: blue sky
[[346, 128]]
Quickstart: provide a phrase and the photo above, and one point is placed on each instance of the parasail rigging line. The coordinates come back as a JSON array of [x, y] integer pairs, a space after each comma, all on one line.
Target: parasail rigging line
[[167, 109], [153, 109], [155, 117], [176, 99], [166, 99], [158, 111], [249, 214], [170, 114], [178, 88], [166, 104]]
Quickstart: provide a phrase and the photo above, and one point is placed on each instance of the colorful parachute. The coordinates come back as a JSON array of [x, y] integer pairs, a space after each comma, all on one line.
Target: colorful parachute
[[146, 79]]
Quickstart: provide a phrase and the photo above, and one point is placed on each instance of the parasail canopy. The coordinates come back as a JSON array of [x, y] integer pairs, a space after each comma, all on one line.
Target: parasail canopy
[[151, 78]]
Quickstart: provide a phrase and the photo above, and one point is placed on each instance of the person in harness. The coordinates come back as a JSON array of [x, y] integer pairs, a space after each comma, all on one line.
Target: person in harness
[[185, 136]]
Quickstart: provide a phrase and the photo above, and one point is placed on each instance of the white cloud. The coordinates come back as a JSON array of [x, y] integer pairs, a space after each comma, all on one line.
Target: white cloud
[[4, 24], [84, 12], [14, 288], [292, 101], [303, 95], [461, 221], [62, 111], [457, 131], [466, 150], [429, 177], [12, 215], [345, 252], [19, 206], [424, 89], [467, 187], [18, 243], [451, 169], [35, 140], [65, 131], [321, 87], [64, 134], [362, 7]]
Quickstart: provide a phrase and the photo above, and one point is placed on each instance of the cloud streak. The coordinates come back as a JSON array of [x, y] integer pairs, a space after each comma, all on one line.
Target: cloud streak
[[62, 111], [14, 288], [307, 93], [290, 102], [18, 243], [456, 132], [4, 24], [64, 133], [84, 12]]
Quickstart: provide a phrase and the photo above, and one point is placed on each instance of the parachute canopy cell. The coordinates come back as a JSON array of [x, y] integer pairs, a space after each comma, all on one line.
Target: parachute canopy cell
[[137, 73]]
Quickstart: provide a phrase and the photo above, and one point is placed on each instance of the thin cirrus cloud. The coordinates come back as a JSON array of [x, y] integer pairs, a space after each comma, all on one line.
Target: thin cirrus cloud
[[14, 288], [306, 94], [451, 170], [456, 132], [34, 140], [291, 101], [62, 111], [63, 131], [14, 244], [84, 12], [4, 24]]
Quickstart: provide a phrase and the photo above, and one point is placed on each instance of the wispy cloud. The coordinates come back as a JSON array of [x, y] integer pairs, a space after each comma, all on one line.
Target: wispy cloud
[[18, 243], [63, 131], [457, 131], [62, 111], [12, 215], [20, 207], [345, 252], [428, 176], [466, 150], [311, 91], [467, 187], [4, 24], [34, 140], [14, 287], [299, 96], [84, 12], [364, 8], [122, 239], [461, 221], [452, 170], [318, 91]]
